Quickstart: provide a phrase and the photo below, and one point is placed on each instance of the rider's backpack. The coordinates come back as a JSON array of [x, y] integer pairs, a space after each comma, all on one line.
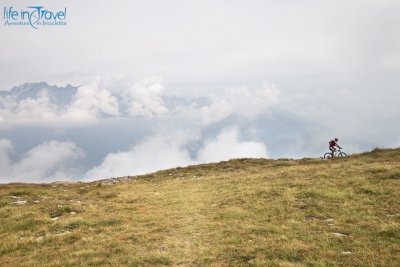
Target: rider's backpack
[[331, 143]]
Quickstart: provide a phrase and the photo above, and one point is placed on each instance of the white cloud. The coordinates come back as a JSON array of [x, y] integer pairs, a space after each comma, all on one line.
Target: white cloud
[[5, 162], [144, 98], [166, 150], [93, 100], [161, 151], [39, 108], [241, 100], [50, 161], [97, 99], [227, 146]]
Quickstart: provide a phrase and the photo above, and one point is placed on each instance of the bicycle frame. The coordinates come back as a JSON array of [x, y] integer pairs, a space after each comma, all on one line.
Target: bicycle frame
[[337, 153]]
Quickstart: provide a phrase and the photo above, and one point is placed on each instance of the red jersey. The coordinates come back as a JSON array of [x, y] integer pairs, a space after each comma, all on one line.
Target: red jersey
[[332, 143]]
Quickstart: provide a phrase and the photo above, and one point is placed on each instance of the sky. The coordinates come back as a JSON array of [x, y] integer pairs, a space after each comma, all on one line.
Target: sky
[[334, 63]]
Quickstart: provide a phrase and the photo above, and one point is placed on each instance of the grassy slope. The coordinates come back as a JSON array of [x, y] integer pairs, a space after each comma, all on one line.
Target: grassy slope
[[245, 212]]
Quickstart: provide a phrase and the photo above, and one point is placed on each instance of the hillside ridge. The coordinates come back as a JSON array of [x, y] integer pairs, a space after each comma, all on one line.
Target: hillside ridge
[[242, 212]]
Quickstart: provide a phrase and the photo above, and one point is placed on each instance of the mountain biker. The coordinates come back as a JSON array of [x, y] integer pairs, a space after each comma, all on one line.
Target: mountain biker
[[332, 145]]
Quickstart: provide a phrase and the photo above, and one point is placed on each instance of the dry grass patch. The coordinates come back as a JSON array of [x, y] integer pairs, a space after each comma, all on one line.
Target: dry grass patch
[[244, 212]]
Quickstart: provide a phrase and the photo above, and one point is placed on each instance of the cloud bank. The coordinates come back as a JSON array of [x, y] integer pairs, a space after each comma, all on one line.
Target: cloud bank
[[58, 161], [113, 97], [167, 150], [47, 162], [108, 96], [240, 100]]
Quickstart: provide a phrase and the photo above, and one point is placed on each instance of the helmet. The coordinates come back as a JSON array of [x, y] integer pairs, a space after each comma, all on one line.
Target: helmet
[[336, 139]]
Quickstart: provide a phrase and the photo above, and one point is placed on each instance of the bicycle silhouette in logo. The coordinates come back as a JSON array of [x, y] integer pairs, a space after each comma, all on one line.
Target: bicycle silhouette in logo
[[34, 16]]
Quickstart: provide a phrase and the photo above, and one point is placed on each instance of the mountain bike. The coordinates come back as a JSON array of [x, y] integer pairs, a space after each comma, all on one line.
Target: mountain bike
[[337, 153]]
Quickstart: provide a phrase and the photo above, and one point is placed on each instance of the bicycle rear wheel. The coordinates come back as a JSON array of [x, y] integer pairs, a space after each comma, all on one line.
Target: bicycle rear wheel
[[328, 155], [342, 154]]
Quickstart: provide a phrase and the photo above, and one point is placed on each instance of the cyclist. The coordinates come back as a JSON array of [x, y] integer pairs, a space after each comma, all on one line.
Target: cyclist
[[332, 145]]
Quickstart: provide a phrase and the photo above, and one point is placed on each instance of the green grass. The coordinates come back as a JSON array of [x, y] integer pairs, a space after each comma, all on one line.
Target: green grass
[[244, 212]]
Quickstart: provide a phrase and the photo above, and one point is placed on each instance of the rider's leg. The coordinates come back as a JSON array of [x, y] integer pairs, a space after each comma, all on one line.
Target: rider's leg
[[333, 151]]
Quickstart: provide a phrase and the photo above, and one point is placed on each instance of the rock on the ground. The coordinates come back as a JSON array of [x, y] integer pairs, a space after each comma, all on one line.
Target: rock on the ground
[[339, 234], [64, 233], [117, 180]]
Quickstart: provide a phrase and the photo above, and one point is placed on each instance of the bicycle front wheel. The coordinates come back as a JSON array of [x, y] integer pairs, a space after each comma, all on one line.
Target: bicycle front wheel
[[342, 154], [328, 155]]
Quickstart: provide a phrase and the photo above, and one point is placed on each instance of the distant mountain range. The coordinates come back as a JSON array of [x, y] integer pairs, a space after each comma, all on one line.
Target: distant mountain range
[[61, 96], [64, 96]]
